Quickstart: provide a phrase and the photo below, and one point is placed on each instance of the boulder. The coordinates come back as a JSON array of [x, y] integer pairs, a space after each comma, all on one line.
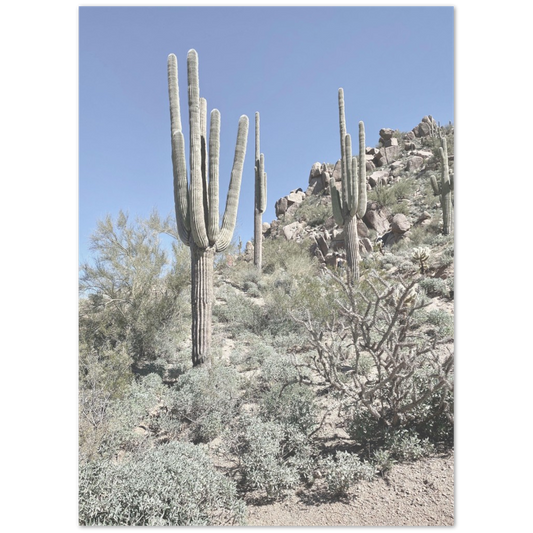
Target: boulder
[[297, 196], [316, 186], [316, 171], [380, 177], [291, 231], [281, 206], [414, 162], [365, 245], [322, 244], [337, 171], [376, 218], [386, 133], [265, 227], [390, 142], [400, 224], [386, 155]]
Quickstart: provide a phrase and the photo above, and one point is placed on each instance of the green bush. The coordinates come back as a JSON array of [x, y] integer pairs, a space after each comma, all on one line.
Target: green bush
[[344, 471], [292, 405], [434, 286], [406, 445], [207, 399], [272, 457], [174, 484], [138, 407]]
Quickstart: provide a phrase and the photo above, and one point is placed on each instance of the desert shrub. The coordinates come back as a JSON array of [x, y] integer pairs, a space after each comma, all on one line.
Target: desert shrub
[[406, 445], [138, 407], [383, 461], [434, 286], [313, 211], [410, 376], [290, 404], [344, 471], [240, 314], [207, 399], [278, 369], [174, 484], [272, 457], [442, 321], [251, 289], [253, 356]]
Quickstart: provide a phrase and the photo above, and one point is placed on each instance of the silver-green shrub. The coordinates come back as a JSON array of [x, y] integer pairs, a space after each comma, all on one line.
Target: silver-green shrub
[[272, 457], [207, 400], [344, 471], [174, 484]]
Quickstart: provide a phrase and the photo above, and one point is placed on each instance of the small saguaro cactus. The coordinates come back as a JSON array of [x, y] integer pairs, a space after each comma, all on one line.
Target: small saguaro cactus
[[350, 203], [260, 198], [444, 188], [196, 199]]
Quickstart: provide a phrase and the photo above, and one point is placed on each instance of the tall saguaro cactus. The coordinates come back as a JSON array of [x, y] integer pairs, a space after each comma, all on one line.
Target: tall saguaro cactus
[[260, 197], [444, 188], [196, 199], [350, 203]]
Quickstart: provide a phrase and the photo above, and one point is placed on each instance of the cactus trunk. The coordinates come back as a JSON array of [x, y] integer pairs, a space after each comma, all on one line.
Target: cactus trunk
[[351, 243], [202, 298], [260, 198], [446, 196]]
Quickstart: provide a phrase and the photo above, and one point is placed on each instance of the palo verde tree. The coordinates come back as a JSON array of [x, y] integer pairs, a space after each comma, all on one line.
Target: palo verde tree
[[260, 198], [350, 204], [196, 199]]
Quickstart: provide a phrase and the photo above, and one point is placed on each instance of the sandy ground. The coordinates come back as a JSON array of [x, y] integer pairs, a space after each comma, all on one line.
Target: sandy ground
[[416, 494]]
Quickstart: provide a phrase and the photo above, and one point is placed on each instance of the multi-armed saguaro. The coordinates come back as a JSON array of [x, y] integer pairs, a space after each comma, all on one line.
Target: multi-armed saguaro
[[196, 200], [260, 198], [350, 204], [444, 188]]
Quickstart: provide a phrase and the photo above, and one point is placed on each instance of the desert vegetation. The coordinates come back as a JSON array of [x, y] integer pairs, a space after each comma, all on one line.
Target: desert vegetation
[[324, 360]]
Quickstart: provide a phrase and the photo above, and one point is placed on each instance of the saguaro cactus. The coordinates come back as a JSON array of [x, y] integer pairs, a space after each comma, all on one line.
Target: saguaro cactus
[[260, 197], [444, 188], [350, 204], [196, 199]]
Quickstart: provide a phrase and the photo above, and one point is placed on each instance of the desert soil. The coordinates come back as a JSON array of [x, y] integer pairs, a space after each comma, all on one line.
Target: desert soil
[[415, 494]]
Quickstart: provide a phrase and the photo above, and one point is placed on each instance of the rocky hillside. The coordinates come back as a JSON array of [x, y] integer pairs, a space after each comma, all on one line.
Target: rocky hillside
[[400, 198]]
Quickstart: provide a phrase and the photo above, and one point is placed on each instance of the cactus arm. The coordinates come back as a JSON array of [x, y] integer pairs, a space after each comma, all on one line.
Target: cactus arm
[[203, 141], [214, 156], [260, 200], [181, 194], [173, 94], [232, 201], [349, 186], [434, 185], [362, 199], [196, 196], [336, 202], [355, 186], [342, 130], [257, 139]]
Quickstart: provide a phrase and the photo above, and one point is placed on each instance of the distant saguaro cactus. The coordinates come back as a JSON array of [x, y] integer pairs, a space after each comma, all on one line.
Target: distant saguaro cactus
[[350, 204], [444, 188], [196, 200], [260, 197]]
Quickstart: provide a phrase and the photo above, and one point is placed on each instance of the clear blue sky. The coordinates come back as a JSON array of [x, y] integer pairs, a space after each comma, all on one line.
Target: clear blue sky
[[396, 64]]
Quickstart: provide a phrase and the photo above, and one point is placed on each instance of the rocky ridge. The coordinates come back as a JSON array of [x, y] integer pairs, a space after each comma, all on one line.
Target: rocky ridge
[[399, 156]]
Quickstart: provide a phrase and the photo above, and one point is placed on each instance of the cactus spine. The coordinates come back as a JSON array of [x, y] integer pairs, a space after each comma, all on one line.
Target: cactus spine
[[350, 203], [260, 197], [196, 199], [444, 188]]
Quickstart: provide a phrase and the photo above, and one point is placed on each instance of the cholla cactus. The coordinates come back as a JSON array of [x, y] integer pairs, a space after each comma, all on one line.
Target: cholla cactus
[[421, 256], [196, 201], [444, 188], [260, 198], [351, 203]]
